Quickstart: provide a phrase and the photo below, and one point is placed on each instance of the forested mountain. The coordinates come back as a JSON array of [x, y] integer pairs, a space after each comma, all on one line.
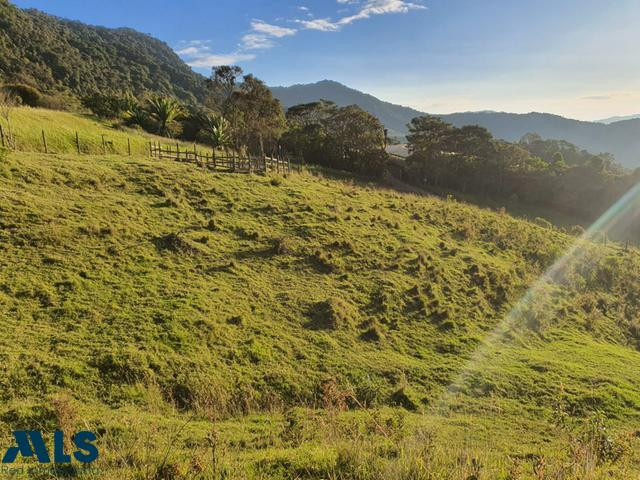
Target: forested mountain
[[622, 139], [61, 56]]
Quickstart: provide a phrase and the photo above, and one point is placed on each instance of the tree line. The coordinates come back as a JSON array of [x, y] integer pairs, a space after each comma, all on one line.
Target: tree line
[[239, 111], [533, 171]]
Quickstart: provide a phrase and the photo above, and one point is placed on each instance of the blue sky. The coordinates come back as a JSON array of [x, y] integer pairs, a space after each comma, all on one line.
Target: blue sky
[[578, 58]]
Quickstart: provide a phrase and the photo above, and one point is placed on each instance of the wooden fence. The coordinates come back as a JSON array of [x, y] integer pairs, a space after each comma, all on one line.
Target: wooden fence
[[225, 163]]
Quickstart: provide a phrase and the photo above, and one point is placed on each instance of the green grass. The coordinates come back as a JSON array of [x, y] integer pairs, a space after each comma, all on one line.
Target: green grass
[[312, 326], [60, 129]]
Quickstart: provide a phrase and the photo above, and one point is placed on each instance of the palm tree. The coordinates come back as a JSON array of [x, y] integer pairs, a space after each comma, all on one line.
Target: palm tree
[[165, 111], [136, 115], [216, 129]]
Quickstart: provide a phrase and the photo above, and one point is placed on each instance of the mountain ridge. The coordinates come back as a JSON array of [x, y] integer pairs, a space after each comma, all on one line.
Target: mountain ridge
[[618, 119]]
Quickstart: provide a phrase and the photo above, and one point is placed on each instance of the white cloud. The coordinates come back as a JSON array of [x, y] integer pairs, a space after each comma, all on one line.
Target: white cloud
[[216, 60], [255, 41], [198, 54], [188, 51], [368, 9], [271, 30], [261, 34], [321, 24]]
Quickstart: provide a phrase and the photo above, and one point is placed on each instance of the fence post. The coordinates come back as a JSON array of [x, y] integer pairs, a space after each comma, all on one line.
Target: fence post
[[44, 141], [150, 149], [77, 143], [129, 146], [213, 158], [2, 136], [104, 146], [177, 151]]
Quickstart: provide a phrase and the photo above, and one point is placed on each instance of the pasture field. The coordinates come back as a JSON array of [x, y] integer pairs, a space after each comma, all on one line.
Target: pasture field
[[312, 326]]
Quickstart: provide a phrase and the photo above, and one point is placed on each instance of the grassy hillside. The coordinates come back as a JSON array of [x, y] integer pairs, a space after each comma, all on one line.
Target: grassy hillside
[[60, 128], [232, 326]]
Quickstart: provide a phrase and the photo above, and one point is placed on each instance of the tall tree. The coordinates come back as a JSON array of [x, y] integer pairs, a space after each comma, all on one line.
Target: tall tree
[[220, 87], [430, 144], [256, 116], [346, 138]]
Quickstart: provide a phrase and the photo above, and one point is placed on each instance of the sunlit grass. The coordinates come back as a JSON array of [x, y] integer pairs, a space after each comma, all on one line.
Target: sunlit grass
[[190, 316]]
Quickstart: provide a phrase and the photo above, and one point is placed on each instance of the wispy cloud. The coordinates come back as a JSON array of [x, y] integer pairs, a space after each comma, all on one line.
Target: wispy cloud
[[255, 41], [609, 96], [321, 24], [262, 35], [198, 54], [216, 60], [597, 97], [271, 30], [367, 9]]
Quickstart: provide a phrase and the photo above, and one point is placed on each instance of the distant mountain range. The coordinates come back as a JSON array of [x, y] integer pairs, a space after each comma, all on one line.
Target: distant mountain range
[[621, 138], [618, 119]]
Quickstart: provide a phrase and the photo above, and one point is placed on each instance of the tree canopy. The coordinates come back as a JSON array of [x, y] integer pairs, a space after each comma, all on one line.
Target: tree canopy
[[346, 138], [551, 173]]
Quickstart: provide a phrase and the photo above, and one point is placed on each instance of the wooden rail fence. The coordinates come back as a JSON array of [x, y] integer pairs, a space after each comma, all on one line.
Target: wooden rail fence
[[225, 163]]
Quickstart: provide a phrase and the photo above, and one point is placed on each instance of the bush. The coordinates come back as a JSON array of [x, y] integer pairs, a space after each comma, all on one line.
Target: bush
[[28, 95], [107, 105]]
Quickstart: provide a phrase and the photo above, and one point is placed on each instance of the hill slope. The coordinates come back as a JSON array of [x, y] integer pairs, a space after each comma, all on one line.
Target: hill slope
[[57, 55], [621, 138], [152, 299]]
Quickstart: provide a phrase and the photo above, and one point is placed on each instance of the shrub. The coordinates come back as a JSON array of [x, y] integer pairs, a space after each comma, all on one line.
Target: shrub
[[28, 95], [108, 105]]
